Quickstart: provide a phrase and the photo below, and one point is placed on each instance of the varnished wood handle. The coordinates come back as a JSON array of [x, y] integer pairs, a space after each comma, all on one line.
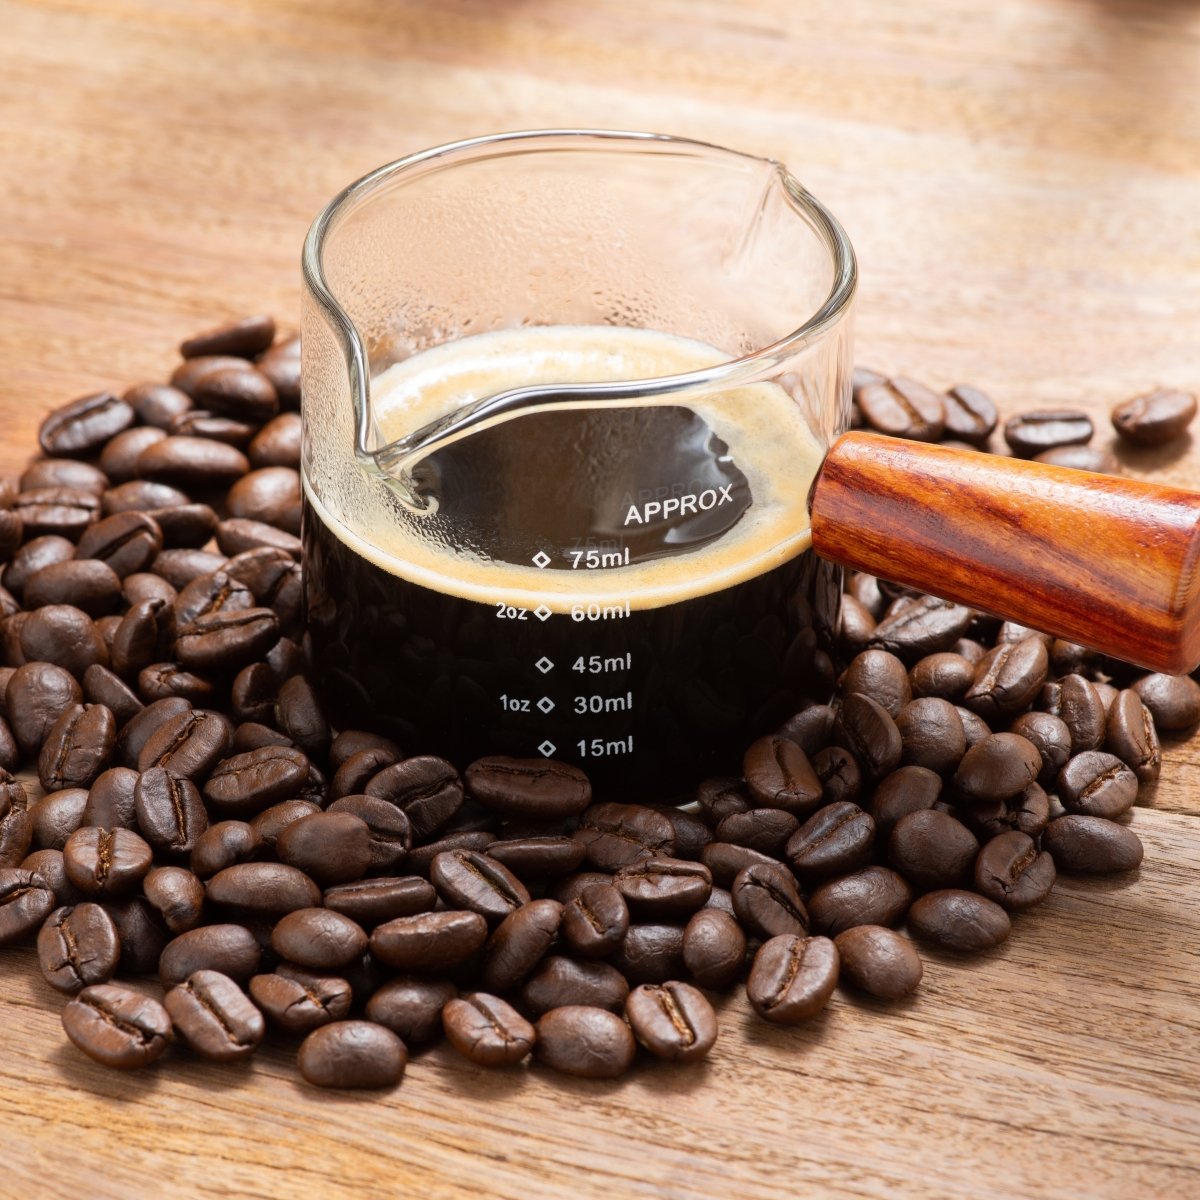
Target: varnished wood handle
[[1107, 562]]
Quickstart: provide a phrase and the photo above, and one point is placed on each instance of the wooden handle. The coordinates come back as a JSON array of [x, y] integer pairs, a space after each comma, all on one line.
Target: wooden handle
[[1107, 562]]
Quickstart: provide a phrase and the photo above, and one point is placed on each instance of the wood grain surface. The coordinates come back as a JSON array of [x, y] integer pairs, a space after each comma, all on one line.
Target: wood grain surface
[[1022, 182]]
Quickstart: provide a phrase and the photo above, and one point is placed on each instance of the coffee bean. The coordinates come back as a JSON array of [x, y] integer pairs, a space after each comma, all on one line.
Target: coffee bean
[[1027, 811], [650, 954], [226, 641], [250, 782], [141, 495], [318, 938], [56, 816], [714, 948], [970, 415], [374, 901], [16, 837], [1033, 432], [230, 949], [411, 1007], [332, 847], [1155, 418], [1129, 733], [389, 832], [872, 896], [810, 729], [1080, 708], [170, 813], [263, 888], [975, 728], [857, 626], [932, 850], [299, 1001], [1173, 700], [836, 839], [223, 845], [767, 901], [672, 1020], [879, 674], [352, 1054], [958, 920], [32, 557], [925, 626], [143, 636], [77, 748], [244, 339], [117, 1026], [49, 865], [191, 462], [56, 512], [585, 1041], [277, 444], [903, 408], [177, 894], [765, 829], [998, 767], [281, 365], [63, 635], [101, 686], [78, 429], [878, 961], [1008, 678], [559, 981], [61, 472], [487, 1031], [616, 835], [78, 946], [839, 773], [724, 860], [1050, 735], [792, 978], [215, 1017], [26, 900], [106, 862], [110, 802], [1011, 871], [1081, 844], [663, 887], [519, 943], [540, 789], [428, 941], [1080, 458], [931, 734], [538, 857], [595, 922], [156, 404], [88, 584], [865, 728], [1097, 784], [470, 880], [184, 526], [242, 392], [721, 796], [189, 744], [945, 675], [12, 530]]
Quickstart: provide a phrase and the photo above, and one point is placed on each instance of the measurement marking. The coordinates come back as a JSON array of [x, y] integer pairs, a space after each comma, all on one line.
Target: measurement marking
[[544, 665], [595, 664], [599, 748], [545, 704], [547, 748], [542, 612], [592, 560], [599, 612], [541, 560], [604, 704]]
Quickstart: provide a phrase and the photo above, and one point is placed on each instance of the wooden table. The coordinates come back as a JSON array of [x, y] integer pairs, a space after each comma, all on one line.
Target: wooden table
[[1022, 182]]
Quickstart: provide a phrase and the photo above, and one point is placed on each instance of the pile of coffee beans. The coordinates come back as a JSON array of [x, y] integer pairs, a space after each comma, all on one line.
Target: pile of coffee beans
[[199, 824]]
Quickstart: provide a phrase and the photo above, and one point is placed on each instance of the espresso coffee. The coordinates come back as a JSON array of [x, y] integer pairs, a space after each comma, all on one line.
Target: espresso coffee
[[627, 588]]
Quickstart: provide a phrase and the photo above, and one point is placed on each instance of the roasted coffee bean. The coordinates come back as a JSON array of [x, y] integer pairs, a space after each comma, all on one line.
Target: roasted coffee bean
[[865, 728], [245, 339], [903, 408], [170, 813], [1173, 700], [204, 423], [277, 444], [924, 626], [250, 782], [162, 680], [49, 865], [77, 748], [224, 845], [32, 557], [16, 837], [141, 495], [931, 734], [351, 741], [970, 415], [1129, 733], [263, 888], [88, 584], [616, 835], [192, 462], [226, 641], [110, 802], [185, 526], [663, 887], [792, 978], [650, 954], [1027, 812], [356, 770], [595, 922], [352, 1054], [299, 1001], [538, 857], [1081, 844], [319, 938], [281, 365], [332, 847], [1080, 458], [765, 829], [810, 728], [427, 789], [10, 754], [714, 948], [133, 737], [78, 429], [214, 592], [389, 831], [836, 839], [271, 822], [56, 511], [872, 896], [12, 530], [975, 728], [779, 775], [157, 404], [724, 860], [932, 850], [379, 899], [26, 900], [106, 862], [1097, 784], [143, 636], [101, 686], [78, 946], [64, 635], [243, 393], [1155, 418], [998, 767], [585, 1041], [1051, 737], [177, 894], [878, 961], [56, 816], [945, 675], [1011, 871], [117, 1026], [486, 1030], [1082, 711], [118, 459], [858, 625], [298, 714], [189, 744], [720, 796], [881, 675], [215, 1017], [239, 534], [539, 789], [190, 374], [767, 901], [672, 1020], [61, 472], [231, 949], [252, 698], [962, 921], [142, 933], [411, 1007], [1030, 433], [519, 943], [1008, 678], [269, 494], [839, 773], [428, 941], [470, 880]]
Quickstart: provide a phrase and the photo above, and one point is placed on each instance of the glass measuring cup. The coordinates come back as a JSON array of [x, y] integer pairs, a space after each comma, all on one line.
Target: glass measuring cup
[[621, 574], [569, 398]]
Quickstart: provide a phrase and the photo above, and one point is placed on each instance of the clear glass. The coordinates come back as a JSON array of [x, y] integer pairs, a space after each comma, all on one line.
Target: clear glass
[[577, 229]]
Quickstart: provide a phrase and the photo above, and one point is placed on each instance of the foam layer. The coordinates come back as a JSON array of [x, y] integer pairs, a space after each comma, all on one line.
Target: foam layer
[[763, 427]]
